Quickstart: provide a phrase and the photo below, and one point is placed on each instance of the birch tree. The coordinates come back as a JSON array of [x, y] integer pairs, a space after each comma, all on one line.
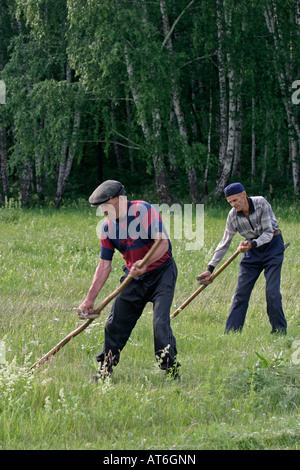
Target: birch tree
[[283, 60], [190, 168], [161, 181], [42, 114], [5, 34], [230, 102], [160, 93]]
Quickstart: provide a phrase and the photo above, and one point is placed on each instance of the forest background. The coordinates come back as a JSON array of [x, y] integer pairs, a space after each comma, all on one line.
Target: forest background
[[177, 98]]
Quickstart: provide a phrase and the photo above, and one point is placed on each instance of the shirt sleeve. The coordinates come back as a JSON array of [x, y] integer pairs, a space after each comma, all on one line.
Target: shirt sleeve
[[268, 224], [107, 249]]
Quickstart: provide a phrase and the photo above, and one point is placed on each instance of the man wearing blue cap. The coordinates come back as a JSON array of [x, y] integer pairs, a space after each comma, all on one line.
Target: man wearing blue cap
[[263, 250]]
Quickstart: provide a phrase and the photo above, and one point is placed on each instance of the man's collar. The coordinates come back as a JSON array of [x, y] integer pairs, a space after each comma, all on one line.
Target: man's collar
[[251, 205]]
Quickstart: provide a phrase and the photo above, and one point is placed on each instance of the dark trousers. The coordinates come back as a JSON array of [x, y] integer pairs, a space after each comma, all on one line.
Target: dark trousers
[[268, 257], [157, 287]]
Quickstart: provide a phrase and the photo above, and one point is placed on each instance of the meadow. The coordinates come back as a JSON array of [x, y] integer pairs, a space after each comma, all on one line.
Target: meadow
[[237, 391]]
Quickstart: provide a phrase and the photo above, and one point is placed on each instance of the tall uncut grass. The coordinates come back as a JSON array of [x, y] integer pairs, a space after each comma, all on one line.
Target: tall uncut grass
[[237, 391]]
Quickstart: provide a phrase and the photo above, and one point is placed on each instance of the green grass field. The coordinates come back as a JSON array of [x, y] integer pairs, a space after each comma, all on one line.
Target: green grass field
[[237, 391]]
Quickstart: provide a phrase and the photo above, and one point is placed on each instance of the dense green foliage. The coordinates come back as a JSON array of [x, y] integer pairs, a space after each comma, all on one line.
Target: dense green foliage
[[237, 391], [180, 97]]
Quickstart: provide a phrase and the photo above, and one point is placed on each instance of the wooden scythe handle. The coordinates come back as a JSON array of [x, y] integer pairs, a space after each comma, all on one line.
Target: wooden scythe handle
[[201, 288], [103, 304]]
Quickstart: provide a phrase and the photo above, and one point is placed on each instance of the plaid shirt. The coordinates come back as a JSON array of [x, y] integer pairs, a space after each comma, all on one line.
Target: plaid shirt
[[259, 227]]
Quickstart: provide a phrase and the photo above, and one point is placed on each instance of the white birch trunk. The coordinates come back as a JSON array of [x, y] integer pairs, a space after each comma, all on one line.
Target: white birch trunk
[[161, 181], [115, 140], [238, 139], [205, 189], [294, 156], [227, 131], [37, 162], [253, 142], [222, 87], [25, 177], [3, 144], [190, 168], [67, 157], [265, 160], [284, 78], [3, 162], [231, 121], [128, 114]]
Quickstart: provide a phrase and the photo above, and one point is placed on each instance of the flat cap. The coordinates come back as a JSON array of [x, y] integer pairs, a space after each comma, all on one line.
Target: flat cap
[[107, 190], [233, 188]]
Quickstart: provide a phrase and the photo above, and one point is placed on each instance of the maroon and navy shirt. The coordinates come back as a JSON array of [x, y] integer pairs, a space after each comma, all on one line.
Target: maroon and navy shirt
[[133, 235]]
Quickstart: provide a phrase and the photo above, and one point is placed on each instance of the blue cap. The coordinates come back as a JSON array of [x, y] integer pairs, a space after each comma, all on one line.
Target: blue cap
[[233, 188]]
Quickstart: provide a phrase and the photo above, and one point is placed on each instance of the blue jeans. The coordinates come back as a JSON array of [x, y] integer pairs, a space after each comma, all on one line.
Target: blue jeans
[[268, 257]]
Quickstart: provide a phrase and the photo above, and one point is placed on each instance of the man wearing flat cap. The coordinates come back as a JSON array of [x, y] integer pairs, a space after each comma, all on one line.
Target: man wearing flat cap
[[263, 250], [131, 228]]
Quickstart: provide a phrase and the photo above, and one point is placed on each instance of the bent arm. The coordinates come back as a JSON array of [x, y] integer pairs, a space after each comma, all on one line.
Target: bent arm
[[159, 253], [222, 247]]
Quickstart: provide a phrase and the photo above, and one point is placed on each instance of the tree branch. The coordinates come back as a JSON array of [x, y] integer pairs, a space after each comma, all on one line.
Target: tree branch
[[175, 23]]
